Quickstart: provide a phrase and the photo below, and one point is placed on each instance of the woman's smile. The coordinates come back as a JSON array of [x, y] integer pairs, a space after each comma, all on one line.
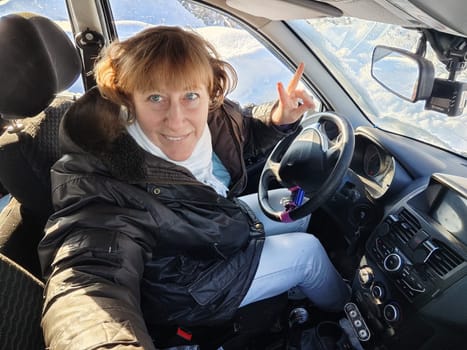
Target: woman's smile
[[173, 138]]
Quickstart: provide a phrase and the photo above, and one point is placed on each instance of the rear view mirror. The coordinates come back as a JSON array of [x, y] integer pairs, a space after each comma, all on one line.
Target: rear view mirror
[[403, 73]]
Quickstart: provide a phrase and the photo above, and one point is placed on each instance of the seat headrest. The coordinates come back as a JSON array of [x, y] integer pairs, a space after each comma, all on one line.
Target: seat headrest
[[37, 61]]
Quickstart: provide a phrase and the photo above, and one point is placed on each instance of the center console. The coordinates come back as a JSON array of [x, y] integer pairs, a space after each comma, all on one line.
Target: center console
[[410, 287]]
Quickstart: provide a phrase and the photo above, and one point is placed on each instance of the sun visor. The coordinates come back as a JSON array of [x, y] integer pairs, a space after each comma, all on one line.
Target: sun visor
[[283, 10]]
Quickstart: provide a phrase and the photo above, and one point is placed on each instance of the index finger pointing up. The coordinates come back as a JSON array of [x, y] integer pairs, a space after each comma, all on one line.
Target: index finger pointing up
[[296, 78]]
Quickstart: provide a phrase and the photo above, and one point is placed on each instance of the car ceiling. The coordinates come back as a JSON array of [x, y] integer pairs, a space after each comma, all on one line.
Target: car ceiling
[[447, 16], [444, 15]]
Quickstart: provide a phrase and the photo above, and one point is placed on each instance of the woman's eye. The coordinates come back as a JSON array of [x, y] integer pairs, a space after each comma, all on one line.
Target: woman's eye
[[191, 96], [155, 98]]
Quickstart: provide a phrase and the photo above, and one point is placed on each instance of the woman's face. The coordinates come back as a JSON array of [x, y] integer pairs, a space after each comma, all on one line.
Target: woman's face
[[173, 120]]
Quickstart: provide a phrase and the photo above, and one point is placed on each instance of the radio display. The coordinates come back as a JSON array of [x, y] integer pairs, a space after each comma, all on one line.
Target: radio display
[[450, 211]]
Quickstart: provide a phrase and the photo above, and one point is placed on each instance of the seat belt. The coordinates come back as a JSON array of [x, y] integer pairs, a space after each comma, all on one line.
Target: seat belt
[[91, 43]]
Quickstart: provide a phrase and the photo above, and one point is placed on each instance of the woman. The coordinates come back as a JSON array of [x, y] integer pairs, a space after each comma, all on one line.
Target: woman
[[147, 228]]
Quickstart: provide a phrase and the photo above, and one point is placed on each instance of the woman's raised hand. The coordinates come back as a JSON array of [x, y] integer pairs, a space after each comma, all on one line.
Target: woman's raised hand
[[293, 102]]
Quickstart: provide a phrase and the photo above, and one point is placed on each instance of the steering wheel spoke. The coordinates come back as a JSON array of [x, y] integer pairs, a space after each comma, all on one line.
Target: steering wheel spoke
[[274, 168], [335, 149]]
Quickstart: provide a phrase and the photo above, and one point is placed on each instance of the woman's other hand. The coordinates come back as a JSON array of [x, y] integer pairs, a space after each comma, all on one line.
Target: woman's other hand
[[293, 102]]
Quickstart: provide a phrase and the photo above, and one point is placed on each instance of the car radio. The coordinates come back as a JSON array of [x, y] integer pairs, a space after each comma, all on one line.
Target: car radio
[[402, 250]]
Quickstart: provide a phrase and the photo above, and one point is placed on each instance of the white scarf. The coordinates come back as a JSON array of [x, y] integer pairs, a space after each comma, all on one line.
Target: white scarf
[[199, 163]]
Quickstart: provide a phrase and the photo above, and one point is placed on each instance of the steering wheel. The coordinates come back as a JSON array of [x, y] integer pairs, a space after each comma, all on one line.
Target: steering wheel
[[311, 163]]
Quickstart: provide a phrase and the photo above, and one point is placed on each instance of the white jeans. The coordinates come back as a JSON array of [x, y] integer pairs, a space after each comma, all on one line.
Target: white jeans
[[294, 259]]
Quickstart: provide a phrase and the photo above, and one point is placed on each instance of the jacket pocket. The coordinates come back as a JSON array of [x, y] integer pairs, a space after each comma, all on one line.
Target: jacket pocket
[[213, 283]]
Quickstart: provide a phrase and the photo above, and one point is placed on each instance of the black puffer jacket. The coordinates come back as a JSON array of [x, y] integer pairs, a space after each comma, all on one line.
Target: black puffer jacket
[[136, 241]]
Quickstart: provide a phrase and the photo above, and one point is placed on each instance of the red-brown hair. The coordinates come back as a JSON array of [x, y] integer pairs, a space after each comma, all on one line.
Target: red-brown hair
[[162, 56]]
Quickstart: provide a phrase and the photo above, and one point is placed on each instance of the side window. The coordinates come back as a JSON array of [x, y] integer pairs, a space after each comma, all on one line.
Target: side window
[[257, 68], [54, 10]]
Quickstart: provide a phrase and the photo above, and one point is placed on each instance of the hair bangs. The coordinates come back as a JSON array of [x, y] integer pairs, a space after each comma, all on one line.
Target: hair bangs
[[176, 71]]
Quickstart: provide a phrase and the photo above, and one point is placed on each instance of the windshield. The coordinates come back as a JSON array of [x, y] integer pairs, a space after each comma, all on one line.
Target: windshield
[[345, 45]]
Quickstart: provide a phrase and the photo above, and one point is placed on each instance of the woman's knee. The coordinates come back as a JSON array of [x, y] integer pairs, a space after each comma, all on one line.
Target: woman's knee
[[307, 242]]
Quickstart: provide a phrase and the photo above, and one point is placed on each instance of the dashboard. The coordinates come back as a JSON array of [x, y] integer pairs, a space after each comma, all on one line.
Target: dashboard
[[415, 263], [411, 280], [373, 177]]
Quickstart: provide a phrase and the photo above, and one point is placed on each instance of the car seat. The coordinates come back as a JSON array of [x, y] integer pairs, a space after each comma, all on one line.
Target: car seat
[[37, 61]]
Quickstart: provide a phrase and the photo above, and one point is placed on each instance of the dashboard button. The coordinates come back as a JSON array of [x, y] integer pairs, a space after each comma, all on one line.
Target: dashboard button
[[393, 262], [378, 291], [391, 312]]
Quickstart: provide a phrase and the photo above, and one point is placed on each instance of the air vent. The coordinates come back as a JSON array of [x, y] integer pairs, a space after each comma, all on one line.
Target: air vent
[[407, 226], [443, 260], [406, 216]]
